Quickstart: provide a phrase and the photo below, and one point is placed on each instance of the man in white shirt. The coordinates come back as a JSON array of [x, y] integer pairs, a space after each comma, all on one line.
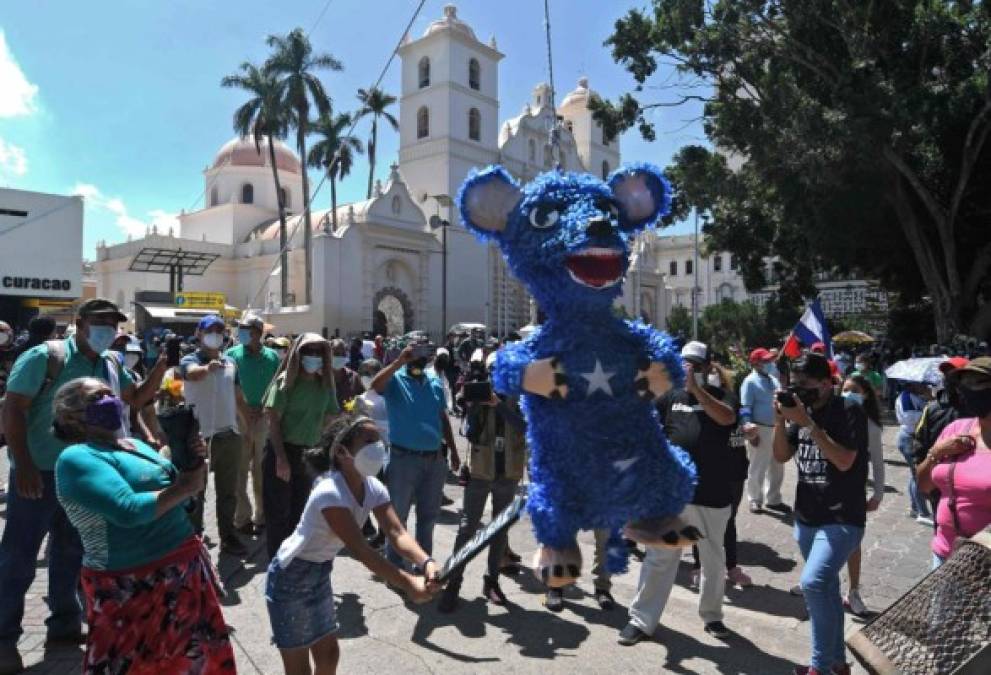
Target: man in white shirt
[[757, 419]]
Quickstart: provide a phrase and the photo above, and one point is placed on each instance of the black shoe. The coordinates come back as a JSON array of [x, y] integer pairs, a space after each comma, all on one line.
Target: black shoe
[[717, 629], [554, 600], [780, 507], [231, 545], [491, 590], [605, 599], [512, 556], [631, 635], [449, 598]]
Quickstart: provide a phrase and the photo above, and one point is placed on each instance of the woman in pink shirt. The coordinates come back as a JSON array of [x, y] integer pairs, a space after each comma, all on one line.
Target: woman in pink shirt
[[959, 464]]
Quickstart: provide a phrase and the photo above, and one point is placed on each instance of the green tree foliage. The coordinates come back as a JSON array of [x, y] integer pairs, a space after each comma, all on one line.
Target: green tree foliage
[[374, 102], [334, 152], [860, 129], [679, 322]]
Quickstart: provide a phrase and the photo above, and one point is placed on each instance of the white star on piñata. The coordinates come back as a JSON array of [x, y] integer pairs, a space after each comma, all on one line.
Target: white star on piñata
[[598, 380]]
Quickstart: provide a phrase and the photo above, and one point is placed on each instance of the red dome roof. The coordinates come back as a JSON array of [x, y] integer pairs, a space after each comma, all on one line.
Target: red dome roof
[[242, 152]]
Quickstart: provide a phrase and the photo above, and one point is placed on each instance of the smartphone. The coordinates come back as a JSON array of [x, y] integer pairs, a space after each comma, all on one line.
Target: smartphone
[[173, 351], [786, 399], [423, 351]]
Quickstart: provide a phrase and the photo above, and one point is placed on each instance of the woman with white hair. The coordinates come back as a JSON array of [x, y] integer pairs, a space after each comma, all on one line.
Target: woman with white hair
[[151, 593], [299, 404]]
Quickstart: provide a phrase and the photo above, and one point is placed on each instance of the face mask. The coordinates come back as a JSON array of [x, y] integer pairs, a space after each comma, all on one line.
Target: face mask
[[854, 396], [4, 339], [339, 362], [699, 379], [105, 413], [369, 460], [131, 360], [976, 402], [312, 364], [101, 337], [714, 380], [861, 366], [213, 340], [244, 336]]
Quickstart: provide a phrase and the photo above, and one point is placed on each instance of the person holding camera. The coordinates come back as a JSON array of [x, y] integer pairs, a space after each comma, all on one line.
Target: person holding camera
[[212, 386], [827, 436], [418, 428], [299, 403], [496, 462], [139, 547]]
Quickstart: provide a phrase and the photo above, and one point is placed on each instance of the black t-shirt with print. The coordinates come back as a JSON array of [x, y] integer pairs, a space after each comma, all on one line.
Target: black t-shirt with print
[[687, 424], [826, 495]]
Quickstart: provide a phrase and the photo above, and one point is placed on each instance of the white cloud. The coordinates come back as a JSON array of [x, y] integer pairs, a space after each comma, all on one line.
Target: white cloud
[[97, 202], [18, 97], [13, 161]]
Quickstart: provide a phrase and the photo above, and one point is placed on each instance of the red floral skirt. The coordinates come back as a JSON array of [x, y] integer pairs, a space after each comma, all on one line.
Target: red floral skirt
[[162, 618]]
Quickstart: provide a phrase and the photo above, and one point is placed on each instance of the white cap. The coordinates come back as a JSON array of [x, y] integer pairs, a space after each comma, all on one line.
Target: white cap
[[695, 350]]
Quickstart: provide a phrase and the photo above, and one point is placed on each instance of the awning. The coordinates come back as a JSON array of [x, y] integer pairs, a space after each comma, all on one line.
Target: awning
[[174, 314]]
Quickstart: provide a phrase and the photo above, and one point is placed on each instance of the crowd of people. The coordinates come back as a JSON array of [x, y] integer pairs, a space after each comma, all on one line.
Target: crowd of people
[[321, 445]]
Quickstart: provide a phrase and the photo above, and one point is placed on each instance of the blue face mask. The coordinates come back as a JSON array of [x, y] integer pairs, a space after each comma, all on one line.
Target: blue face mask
[[339, 362], [101, 337], [244, 336], [312, 364], [854, 396]]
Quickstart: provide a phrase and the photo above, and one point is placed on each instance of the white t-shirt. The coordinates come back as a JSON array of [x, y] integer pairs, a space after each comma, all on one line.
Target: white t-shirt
[[314, 540]]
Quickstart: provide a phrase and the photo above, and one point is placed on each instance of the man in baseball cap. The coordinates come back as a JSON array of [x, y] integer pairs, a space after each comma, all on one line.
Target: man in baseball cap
[[757, 417]]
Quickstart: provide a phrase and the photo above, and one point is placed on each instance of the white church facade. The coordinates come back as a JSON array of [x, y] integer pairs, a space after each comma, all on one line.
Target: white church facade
[[381, 268]]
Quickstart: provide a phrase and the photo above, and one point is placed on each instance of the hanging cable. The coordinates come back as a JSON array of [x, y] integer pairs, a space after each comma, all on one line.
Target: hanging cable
[[354, 123], [555, 131]]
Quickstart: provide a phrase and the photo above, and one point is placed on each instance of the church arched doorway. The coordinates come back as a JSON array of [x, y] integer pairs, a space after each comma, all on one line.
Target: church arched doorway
[[392, 312]]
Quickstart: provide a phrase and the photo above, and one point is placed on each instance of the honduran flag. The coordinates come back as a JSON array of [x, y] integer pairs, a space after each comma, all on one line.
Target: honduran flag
[[811, 328]]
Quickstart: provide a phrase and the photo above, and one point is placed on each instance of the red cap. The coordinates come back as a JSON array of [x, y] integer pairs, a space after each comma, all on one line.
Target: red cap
[[760, 355], [952, 364]]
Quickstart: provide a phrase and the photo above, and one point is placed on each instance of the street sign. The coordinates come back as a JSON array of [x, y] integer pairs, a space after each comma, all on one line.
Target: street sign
[[201, 300]]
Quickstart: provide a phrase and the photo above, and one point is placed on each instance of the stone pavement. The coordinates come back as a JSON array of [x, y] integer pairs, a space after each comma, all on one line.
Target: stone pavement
[[381, 633]]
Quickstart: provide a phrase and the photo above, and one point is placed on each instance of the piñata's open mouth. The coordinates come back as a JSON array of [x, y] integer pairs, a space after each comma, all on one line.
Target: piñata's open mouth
[[596, 267]]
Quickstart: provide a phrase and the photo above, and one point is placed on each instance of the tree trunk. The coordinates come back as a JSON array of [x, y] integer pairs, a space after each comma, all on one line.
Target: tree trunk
[[371, 156], [308, 228], [284, 257], [333, 202]]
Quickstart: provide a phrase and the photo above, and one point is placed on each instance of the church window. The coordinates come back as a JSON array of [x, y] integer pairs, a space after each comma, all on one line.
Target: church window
[[533, 150], [605, 169], [247, 193], [422, 122], [688, 267], [424, 71], [474, 74], [734, 262], [673, 268], [214, 196], [474, 124], [717, 263]]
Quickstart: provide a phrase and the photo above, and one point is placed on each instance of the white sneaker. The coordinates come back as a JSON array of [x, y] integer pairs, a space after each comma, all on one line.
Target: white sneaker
[[855, 603], [924, 520]]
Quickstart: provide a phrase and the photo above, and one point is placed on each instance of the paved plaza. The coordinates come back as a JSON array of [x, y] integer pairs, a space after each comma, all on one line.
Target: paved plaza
[[383, 634]]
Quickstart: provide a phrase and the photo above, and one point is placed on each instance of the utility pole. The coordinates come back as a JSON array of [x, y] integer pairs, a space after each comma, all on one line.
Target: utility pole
[[695, 282]]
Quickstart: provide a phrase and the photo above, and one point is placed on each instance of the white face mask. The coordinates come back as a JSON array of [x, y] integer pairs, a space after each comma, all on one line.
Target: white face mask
[[713, 380], [131, 360], [370, 459], [213, 340]]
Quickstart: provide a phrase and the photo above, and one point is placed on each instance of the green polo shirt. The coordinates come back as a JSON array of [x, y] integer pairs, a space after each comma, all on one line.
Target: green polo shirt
[[302, 409], [28, 376], [255, 371]]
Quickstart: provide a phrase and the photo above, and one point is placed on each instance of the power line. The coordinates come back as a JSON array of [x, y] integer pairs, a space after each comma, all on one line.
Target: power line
[[354, 123], [319, 17]]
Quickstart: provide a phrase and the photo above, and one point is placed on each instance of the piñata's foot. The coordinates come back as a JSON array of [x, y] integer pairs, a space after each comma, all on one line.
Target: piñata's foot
[[558, 567], [662, 532]]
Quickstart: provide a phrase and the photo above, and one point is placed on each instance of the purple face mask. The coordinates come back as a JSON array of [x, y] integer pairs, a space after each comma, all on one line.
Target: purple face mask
[[106, 413]]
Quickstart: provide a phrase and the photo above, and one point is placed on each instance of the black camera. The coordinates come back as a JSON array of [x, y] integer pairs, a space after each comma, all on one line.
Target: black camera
[[182, 430], [424, 351], [787, 398]]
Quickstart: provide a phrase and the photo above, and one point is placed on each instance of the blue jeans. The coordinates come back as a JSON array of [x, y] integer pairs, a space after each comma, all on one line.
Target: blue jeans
[[416, 477], [28, 521], [826, 550], [917, 500]]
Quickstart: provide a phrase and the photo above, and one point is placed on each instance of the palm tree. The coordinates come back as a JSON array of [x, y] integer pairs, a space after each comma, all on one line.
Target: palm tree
[[263, 116], [334, 152], [374, 101], [293, 63]]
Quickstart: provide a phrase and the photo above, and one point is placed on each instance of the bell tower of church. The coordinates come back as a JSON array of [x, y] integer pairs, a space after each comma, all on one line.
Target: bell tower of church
[[449, 124]]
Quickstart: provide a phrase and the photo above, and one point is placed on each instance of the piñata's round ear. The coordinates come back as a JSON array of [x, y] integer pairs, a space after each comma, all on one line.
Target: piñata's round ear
[[643, 194], [486, 199]]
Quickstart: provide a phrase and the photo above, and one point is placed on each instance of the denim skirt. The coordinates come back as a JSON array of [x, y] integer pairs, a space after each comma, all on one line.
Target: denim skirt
[[300, 602]]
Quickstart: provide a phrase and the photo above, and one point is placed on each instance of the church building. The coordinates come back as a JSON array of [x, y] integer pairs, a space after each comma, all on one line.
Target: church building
[[382, 267]]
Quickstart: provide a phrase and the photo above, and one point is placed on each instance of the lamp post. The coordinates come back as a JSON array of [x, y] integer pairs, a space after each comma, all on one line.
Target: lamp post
[[695, 282], [435, 222]]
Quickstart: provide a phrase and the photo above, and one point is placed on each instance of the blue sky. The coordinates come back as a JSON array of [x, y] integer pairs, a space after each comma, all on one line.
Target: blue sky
[[120, 100]]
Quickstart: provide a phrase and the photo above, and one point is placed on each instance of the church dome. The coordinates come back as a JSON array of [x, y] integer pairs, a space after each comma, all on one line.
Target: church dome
[[450, 22], [581, 94], [242, 152]]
